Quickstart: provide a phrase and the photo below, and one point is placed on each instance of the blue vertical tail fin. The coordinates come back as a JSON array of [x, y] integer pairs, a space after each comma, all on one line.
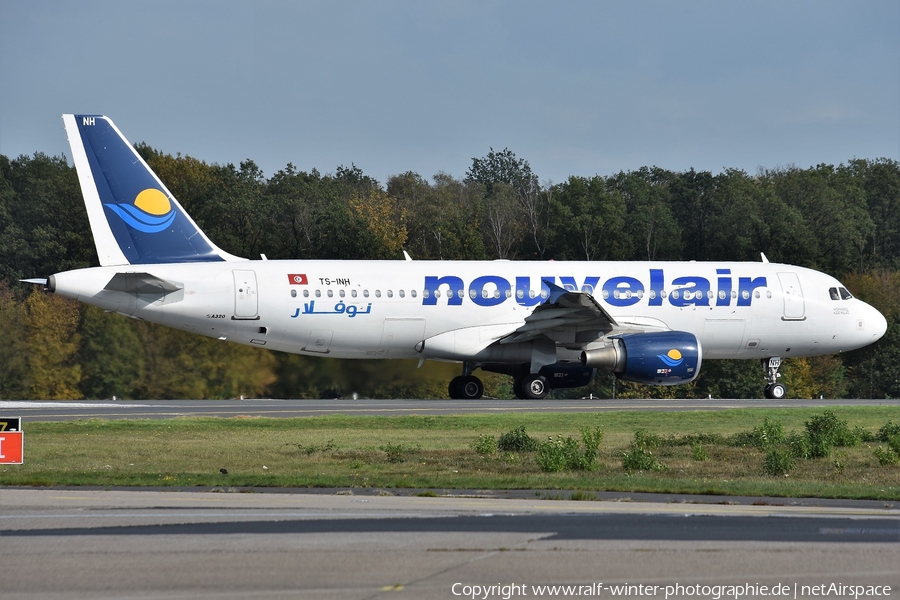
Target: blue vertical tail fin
[[133, 216]]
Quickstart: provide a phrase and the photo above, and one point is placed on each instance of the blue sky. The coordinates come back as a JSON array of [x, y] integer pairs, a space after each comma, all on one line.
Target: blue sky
[[575, 88]]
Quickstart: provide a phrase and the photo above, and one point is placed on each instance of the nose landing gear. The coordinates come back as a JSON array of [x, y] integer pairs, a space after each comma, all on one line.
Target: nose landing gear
[[774, 390]]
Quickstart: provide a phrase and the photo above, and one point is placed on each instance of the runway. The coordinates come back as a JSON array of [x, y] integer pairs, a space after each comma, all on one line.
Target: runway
[[76, 543], [166, 409], [138, 544]]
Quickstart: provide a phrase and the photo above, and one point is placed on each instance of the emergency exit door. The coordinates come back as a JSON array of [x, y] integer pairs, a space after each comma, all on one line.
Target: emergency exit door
[[246, 299]]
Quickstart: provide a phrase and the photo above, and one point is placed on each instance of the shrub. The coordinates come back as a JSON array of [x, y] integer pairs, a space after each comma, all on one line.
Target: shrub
[[798, 445], [768, 435], [559, 453], [643, 439], [887, 431], [698, 453], [638, 458], [886, 456], [517, 441], [894, 442], [591, 438], [826, 431], [778, 462], [485, 444], [556, 453], [397, 453]]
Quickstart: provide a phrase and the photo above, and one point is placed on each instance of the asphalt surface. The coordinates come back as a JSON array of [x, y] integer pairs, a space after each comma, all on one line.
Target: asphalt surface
[[165, 409], [137, 544]]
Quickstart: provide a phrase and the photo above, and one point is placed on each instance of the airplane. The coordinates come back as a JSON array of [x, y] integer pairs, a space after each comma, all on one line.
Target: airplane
[[547, 324]]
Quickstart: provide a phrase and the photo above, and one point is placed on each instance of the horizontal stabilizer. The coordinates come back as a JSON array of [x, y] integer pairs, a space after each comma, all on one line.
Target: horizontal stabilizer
[[142, 284]]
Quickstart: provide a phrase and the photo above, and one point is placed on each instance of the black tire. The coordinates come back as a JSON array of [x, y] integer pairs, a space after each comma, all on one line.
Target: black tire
[[534, 387], [776, 391], [465, 387], [454, 388], [470, 388], [517, 388]]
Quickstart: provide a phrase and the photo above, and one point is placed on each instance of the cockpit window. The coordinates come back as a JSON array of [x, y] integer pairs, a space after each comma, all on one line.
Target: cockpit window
[[839, 293]]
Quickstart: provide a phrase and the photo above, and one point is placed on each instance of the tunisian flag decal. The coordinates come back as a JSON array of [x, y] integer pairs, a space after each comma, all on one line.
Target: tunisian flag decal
[[298, 279]]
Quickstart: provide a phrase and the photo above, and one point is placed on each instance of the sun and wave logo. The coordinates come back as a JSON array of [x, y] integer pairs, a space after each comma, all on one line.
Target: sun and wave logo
[[151, 212], [672, 358]]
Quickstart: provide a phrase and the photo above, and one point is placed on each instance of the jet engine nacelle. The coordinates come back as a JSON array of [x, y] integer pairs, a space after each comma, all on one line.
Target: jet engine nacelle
[[664, 358]]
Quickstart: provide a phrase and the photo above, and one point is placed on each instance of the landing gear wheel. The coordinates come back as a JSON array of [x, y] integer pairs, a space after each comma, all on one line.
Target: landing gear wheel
[[466, 387], [531, 387], [517, 388], [776, 391]]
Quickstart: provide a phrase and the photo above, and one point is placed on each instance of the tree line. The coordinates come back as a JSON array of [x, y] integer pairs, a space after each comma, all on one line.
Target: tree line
[[844, 220]]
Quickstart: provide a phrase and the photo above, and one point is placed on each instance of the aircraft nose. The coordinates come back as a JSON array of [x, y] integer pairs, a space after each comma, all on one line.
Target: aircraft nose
[[874, 324]]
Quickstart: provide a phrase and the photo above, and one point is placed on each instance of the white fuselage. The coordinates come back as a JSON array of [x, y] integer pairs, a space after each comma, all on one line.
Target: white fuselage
[[451, 310]]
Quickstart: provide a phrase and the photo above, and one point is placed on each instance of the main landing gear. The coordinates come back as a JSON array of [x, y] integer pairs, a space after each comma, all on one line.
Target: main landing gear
[[527, 386], [530, 386], [466, 386], [774, 389]]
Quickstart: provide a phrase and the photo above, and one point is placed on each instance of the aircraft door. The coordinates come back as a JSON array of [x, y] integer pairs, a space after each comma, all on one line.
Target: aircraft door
[[794, 304], [246, 300]]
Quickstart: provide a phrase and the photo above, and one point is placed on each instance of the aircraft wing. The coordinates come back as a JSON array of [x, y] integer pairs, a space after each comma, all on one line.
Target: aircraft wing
[[564, 311], [576, 318]]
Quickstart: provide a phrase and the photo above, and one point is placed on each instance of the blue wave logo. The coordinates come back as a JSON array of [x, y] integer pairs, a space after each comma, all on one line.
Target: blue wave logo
[[151, 212], [672, 358]]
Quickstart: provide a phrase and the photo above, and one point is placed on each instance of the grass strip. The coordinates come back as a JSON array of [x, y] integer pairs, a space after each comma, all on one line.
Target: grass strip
[[438, 452]]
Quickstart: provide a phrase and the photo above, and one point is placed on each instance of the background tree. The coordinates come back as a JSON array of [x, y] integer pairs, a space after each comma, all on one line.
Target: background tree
[[649, 223], [842, 219], [591, 221], [111, 355], [500, 169], [53, 371], [14, 348]]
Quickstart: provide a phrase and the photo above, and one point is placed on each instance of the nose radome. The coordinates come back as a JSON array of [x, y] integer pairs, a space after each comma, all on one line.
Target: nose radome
[[875, 323]]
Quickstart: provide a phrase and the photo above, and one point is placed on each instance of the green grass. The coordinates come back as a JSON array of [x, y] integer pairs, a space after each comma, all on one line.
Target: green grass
[[437, 453]]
